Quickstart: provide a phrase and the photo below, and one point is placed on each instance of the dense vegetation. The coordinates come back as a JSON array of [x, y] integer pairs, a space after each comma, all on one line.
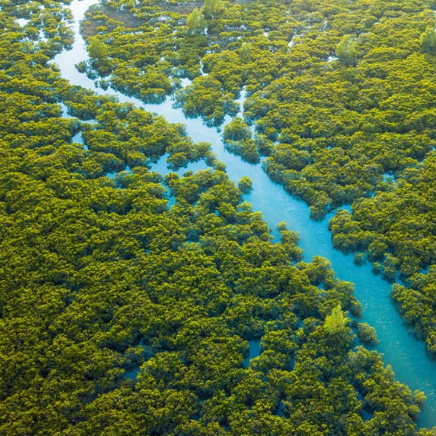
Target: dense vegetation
[[341, 95], [122, 315]]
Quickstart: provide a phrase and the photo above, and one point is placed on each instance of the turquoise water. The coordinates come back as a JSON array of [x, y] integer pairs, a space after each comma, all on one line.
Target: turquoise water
[[401, 350], [253, 351]]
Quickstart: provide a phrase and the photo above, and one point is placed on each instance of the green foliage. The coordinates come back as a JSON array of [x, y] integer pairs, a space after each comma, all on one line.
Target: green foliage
[[246, 148], [367, 334], [245, 185], [196, 21], [211, 8], [428, 41], [416, 305], [99, 55], [200, 98], [346, 50], [236, 130], [97, 49], [237, 140], [336, 322]]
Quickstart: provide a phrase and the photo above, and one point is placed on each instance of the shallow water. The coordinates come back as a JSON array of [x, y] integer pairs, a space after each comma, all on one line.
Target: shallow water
[[253, 351], [401, 350]]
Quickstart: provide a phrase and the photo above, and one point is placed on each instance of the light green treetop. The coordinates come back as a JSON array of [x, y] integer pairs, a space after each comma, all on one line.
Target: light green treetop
[[336, 321], [428, 41], [211, 8], [196, 21], [346, 50]]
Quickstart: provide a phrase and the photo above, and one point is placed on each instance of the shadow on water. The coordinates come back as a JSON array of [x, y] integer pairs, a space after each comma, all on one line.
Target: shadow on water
[[400, 348]]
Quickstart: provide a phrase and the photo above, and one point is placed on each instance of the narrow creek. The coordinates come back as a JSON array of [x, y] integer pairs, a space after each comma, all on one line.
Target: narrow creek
[[407, 356]]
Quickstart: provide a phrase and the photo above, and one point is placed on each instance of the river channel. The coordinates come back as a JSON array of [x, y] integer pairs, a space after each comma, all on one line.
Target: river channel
[[406, 355]]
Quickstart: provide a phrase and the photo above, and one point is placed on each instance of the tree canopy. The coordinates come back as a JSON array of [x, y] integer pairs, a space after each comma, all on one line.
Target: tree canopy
[[128, 300]]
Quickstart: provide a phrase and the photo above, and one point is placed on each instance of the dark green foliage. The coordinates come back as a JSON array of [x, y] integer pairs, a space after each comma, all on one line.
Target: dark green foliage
[[237, 139], [416, 303], [200, 98], [245, 185], [366, 334], [236, 130], [246, 148]]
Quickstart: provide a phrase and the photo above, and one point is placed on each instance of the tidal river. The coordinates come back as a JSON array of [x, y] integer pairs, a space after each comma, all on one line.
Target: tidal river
[[400, 349]]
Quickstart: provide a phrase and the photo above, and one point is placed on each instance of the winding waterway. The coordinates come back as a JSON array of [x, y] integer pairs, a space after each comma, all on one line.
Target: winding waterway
[[401, 350]]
